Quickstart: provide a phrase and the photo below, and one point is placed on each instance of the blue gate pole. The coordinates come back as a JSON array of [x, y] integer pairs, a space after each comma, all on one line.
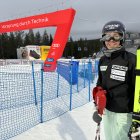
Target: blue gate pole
[[71, 85], [41, 116], [84, 75], [77, 77], [96, 67], [57, 83], [33, 75], [92, 73], [89, 74]]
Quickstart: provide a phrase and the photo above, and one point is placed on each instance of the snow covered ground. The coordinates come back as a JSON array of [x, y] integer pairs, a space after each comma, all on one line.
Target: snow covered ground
[[73, 125]]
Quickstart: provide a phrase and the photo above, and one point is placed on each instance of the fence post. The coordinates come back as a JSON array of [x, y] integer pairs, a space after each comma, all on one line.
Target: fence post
[[58, 83], [77, 77], [34, 83], [41, 116], [89, 74], [84, 74], [71, 85], [96, 67], [92, 73]]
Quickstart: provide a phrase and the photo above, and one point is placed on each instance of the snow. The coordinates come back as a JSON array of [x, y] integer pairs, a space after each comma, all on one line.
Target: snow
[[73, 125]]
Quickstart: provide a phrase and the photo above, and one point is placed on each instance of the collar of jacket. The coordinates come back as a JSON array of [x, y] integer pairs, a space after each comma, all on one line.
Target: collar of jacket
[[117, 53]]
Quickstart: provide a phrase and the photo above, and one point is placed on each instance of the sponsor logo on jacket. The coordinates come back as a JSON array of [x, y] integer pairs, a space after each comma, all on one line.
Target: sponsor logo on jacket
[[103, 68], [118, 72]]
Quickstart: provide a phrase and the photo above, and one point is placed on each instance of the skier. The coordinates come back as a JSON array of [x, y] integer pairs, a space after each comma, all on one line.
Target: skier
[[116, 83]]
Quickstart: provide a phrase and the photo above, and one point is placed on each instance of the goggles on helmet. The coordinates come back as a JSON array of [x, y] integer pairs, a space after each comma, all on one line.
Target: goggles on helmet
[[108, 37]]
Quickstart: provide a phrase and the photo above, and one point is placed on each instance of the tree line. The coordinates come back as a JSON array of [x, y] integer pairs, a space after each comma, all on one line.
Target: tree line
[[9, 42]]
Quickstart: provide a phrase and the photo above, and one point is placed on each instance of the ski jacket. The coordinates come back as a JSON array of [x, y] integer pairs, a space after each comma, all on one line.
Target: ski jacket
[[117, 77]]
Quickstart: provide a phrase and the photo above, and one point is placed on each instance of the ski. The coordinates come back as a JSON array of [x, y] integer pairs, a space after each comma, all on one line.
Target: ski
[[134, 132]]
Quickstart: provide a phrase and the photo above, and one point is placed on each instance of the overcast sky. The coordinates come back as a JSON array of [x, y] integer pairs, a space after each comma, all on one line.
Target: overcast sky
[[90, 17]]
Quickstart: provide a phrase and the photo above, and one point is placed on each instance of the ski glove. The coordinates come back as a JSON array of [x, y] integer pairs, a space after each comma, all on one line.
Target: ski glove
[[99, 96]]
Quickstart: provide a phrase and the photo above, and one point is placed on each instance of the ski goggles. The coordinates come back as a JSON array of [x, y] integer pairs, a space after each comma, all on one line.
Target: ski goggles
[[108, 37]]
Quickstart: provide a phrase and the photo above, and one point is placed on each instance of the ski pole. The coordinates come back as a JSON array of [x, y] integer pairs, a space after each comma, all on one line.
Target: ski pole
[[97, 137], [97, 118]]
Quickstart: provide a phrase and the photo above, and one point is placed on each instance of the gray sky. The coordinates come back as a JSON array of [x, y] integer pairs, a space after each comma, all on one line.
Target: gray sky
[[90, 17]]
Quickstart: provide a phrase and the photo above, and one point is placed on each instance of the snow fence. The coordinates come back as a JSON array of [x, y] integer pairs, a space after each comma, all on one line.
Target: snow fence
[[29, 96]]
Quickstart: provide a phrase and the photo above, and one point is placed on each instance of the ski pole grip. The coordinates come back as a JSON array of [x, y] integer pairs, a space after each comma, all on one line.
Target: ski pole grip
[[96, 117]]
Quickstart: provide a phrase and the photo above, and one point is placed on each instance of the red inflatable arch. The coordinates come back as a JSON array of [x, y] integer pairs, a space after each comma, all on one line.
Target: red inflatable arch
[[61, 19]]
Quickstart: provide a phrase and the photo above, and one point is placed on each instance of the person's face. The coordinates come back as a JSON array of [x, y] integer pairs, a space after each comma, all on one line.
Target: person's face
[[110, 44]]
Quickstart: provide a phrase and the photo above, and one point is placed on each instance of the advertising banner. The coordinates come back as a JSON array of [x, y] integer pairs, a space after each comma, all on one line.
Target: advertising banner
[[33, 52], [62, 20], [22, 53], [44, 52]]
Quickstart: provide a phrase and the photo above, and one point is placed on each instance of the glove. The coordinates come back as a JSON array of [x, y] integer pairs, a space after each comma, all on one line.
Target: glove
[[99, 96], [134, 132], [95, 90]]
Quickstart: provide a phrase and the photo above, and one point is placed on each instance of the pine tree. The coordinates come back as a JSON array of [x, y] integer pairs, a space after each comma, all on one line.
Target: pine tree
[[71, 45], [26, 40], [3, 45], [38, 39], [31, 37], [19, 38], [12, 46], [51, 40], [45, 38]]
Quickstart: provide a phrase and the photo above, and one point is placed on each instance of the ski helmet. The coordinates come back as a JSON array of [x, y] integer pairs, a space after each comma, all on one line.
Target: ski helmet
[[114, 26]]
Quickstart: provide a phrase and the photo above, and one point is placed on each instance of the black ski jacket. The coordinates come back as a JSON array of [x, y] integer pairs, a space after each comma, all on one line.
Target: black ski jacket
[[117, 77]]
